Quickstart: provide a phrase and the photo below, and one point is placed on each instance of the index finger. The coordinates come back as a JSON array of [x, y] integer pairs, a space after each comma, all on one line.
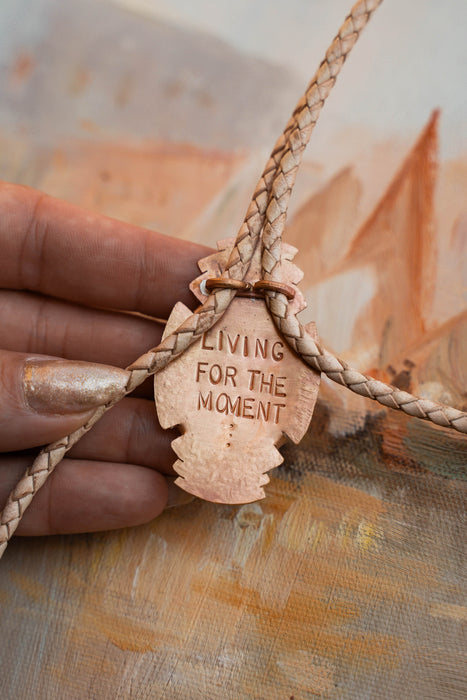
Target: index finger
[[61, 250]]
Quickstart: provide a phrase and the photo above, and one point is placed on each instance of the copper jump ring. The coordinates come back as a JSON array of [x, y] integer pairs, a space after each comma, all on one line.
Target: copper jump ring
[[227, 283], [269, 286], [239, 285]]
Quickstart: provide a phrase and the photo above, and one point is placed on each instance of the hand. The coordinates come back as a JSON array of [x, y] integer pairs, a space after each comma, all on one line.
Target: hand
[[68, 280]]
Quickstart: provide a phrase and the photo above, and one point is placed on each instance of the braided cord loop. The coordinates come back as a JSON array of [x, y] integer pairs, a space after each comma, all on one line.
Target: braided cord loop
[[341, 372]]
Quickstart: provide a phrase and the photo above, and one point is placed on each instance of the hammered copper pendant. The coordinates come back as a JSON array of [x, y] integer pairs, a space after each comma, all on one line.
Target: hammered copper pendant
[[235, 395]]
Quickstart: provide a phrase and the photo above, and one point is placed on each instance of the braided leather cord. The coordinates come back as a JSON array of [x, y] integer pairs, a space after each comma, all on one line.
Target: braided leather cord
[[268, 208]]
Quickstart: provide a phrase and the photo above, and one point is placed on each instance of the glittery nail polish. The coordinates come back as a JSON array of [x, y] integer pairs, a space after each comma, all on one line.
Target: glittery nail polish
[[61, 386]]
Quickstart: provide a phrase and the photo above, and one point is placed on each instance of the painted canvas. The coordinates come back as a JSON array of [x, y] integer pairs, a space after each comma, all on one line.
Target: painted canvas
[[348, 579]]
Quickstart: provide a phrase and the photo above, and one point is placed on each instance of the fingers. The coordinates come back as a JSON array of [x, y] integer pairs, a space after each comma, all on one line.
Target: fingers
[[83, 496], [34, 323], [129, 432], [63, 251], [42, 399]]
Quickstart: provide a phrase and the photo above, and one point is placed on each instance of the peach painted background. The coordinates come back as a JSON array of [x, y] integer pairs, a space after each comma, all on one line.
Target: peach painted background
[[348, 580]]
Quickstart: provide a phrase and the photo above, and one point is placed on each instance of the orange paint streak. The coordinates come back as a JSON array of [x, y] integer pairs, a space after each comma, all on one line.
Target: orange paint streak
[[30, 587], [157, 185], [126, 634], [22, 68]]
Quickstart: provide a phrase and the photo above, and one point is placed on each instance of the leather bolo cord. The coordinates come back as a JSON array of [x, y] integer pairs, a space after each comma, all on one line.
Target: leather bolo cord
[[263, 225]]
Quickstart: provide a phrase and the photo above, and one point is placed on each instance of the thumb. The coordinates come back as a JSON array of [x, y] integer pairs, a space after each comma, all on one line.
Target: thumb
[[44, 398]]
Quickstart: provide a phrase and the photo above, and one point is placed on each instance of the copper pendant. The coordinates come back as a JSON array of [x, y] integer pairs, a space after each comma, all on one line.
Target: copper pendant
[[234, 394]]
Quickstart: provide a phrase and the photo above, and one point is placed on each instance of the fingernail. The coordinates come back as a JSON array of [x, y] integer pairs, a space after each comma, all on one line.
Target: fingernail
[[59, 386], [177, 496]]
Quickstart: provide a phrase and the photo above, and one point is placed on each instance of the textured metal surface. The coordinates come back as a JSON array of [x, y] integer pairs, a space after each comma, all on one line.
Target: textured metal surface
[[234, 393]]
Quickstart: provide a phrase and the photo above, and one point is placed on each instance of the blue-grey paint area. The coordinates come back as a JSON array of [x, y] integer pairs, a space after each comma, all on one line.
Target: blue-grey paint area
[[227, 75], [23, 24], [124, 75], [410, 59]]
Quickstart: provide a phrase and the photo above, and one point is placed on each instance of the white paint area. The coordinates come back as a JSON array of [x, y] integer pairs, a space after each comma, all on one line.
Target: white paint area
[[410, 60], [336, 303]]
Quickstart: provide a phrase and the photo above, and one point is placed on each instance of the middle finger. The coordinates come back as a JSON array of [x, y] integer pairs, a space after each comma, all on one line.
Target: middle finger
[[40, 324]]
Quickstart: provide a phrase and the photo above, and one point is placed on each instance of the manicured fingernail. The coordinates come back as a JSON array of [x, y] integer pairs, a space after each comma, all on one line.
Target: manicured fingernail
[[60, 387], [177, 496]]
